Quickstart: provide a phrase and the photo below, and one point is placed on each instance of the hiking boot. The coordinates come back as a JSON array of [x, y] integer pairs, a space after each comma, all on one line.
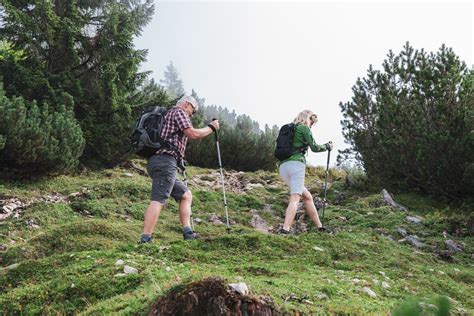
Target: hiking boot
[[324, 229], [191, 236], [144, 240], [284, 232]]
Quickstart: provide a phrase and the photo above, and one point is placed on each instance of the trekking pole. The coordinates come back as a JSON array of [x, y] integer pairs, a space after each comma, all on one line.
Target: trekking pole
[[216, 135], [326, 185], [185, 180]]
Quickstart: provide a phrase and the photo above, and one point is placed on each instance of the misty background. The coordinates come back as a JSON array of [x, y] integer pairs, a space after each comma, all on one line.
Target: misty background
[[270, 60]]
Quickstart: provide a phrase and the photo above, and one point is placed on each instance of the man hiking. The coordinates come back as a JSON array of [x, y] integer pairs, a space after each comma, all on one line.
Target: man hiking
[[292, 169], [163, 166]]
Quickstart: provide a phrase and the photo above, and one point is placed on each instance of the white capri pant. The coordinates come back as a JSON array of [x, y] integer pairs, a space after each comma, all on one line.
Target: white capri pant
[[292, 172]]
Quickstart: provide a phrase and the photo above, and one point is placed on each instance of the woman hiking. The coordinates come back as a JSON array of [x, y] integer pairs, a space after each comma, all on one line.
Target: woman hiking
[[292, 170]]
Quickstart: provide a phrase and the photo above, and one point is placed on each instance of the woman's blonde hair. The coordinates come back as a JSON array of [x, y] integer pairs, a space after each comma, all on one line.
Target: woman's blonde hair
[[303, 116]]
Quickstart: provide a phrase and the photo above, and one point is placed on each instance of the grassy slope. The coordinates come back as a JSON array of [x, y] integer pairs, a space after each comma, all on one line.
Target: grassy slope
[[67, 265]]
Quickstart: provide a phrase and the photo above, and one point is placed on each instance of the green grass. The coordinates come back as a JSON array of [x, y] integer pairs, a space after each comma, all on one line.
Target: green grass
[[67, 265]]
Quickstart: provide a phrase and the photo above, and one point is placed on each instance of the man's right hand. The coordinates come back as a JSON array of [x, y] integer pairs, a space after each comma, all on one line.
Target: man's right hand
[[215, 124]]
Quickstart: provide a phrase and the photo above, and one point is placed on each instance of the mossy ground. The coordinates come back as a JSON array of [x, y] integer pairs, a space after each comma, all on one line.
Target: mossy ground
[[67, 266]]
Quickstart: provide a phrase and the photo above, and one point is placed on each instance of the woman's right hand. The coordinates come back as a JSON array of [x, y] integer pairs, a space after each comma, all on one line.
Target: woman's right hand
[[329, 146]]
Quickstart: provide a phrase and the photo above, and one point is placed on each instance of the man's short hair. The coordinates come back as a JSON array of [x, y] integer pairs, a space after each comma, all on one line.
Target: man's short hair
[[188, 99]]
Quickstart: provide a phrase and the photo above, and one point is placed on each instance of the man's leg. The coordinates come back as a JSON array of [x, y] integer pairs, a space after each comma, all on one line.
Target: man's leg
[[291, 211], [310, 208], [151, 217], [162, 171], [184, 197], [185, 209]]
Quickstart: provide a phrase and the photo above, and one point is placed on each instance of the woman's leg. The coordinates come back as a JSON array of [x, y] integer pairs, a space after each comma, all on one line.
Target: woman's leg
[[310, 208], [291, 211]]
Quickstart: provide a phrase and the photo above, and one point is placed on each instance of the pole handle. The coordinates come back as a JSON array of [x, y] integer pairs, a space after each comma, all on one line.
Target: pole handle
[[216, 132]]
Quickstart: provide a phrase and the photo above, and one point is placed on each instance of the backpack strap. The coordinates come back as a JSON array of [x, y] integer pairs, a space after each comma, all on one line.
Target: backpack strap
[[168, 143], [303, 149]]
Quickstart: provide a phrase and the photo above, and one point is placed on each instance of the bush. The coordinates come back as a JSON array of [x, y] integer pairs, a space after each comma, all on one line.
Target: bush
[[412, 124], [34, 139], [241, 147]]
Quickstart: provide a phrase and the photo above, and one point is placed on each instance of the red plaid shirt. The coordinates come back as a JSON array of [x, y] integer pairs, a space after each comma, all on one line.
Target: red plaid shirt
[[176, 121]]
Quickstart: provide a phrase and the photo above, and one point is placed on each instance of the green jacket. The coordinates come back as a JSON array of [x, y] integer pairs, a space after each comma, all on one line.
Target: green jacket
[[304, 137]]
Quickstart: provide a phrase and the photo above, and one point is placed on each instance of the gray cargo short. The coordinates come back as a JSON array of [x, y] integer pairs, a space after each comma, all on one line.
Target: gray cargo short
[[163, 170]]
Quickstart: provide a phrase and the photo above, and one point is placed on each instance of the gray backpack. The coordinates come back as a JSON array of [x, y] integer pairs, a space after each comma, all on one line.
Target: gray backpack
[[146, 139]]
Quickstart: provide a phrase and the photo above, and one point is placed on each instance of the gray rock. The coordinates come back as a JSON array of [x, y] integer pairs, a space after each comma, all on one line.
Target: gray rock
[[128, 174], [240, 287], [74, 194], [389, 201], [251, 186], [322, 296], [197, 220], [213, 218], [402, 232], [7, 208], [10, 267], [413, 240], [129, 270], [414, 219], [369, 292], [453, 246], [259, 223]]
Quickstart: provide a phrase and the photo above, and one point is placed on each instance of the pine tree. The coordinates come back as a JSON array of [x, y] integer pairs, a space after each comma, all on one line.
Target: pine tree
[[86, 50], [409, 123], [172, 83], [201, 101]]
